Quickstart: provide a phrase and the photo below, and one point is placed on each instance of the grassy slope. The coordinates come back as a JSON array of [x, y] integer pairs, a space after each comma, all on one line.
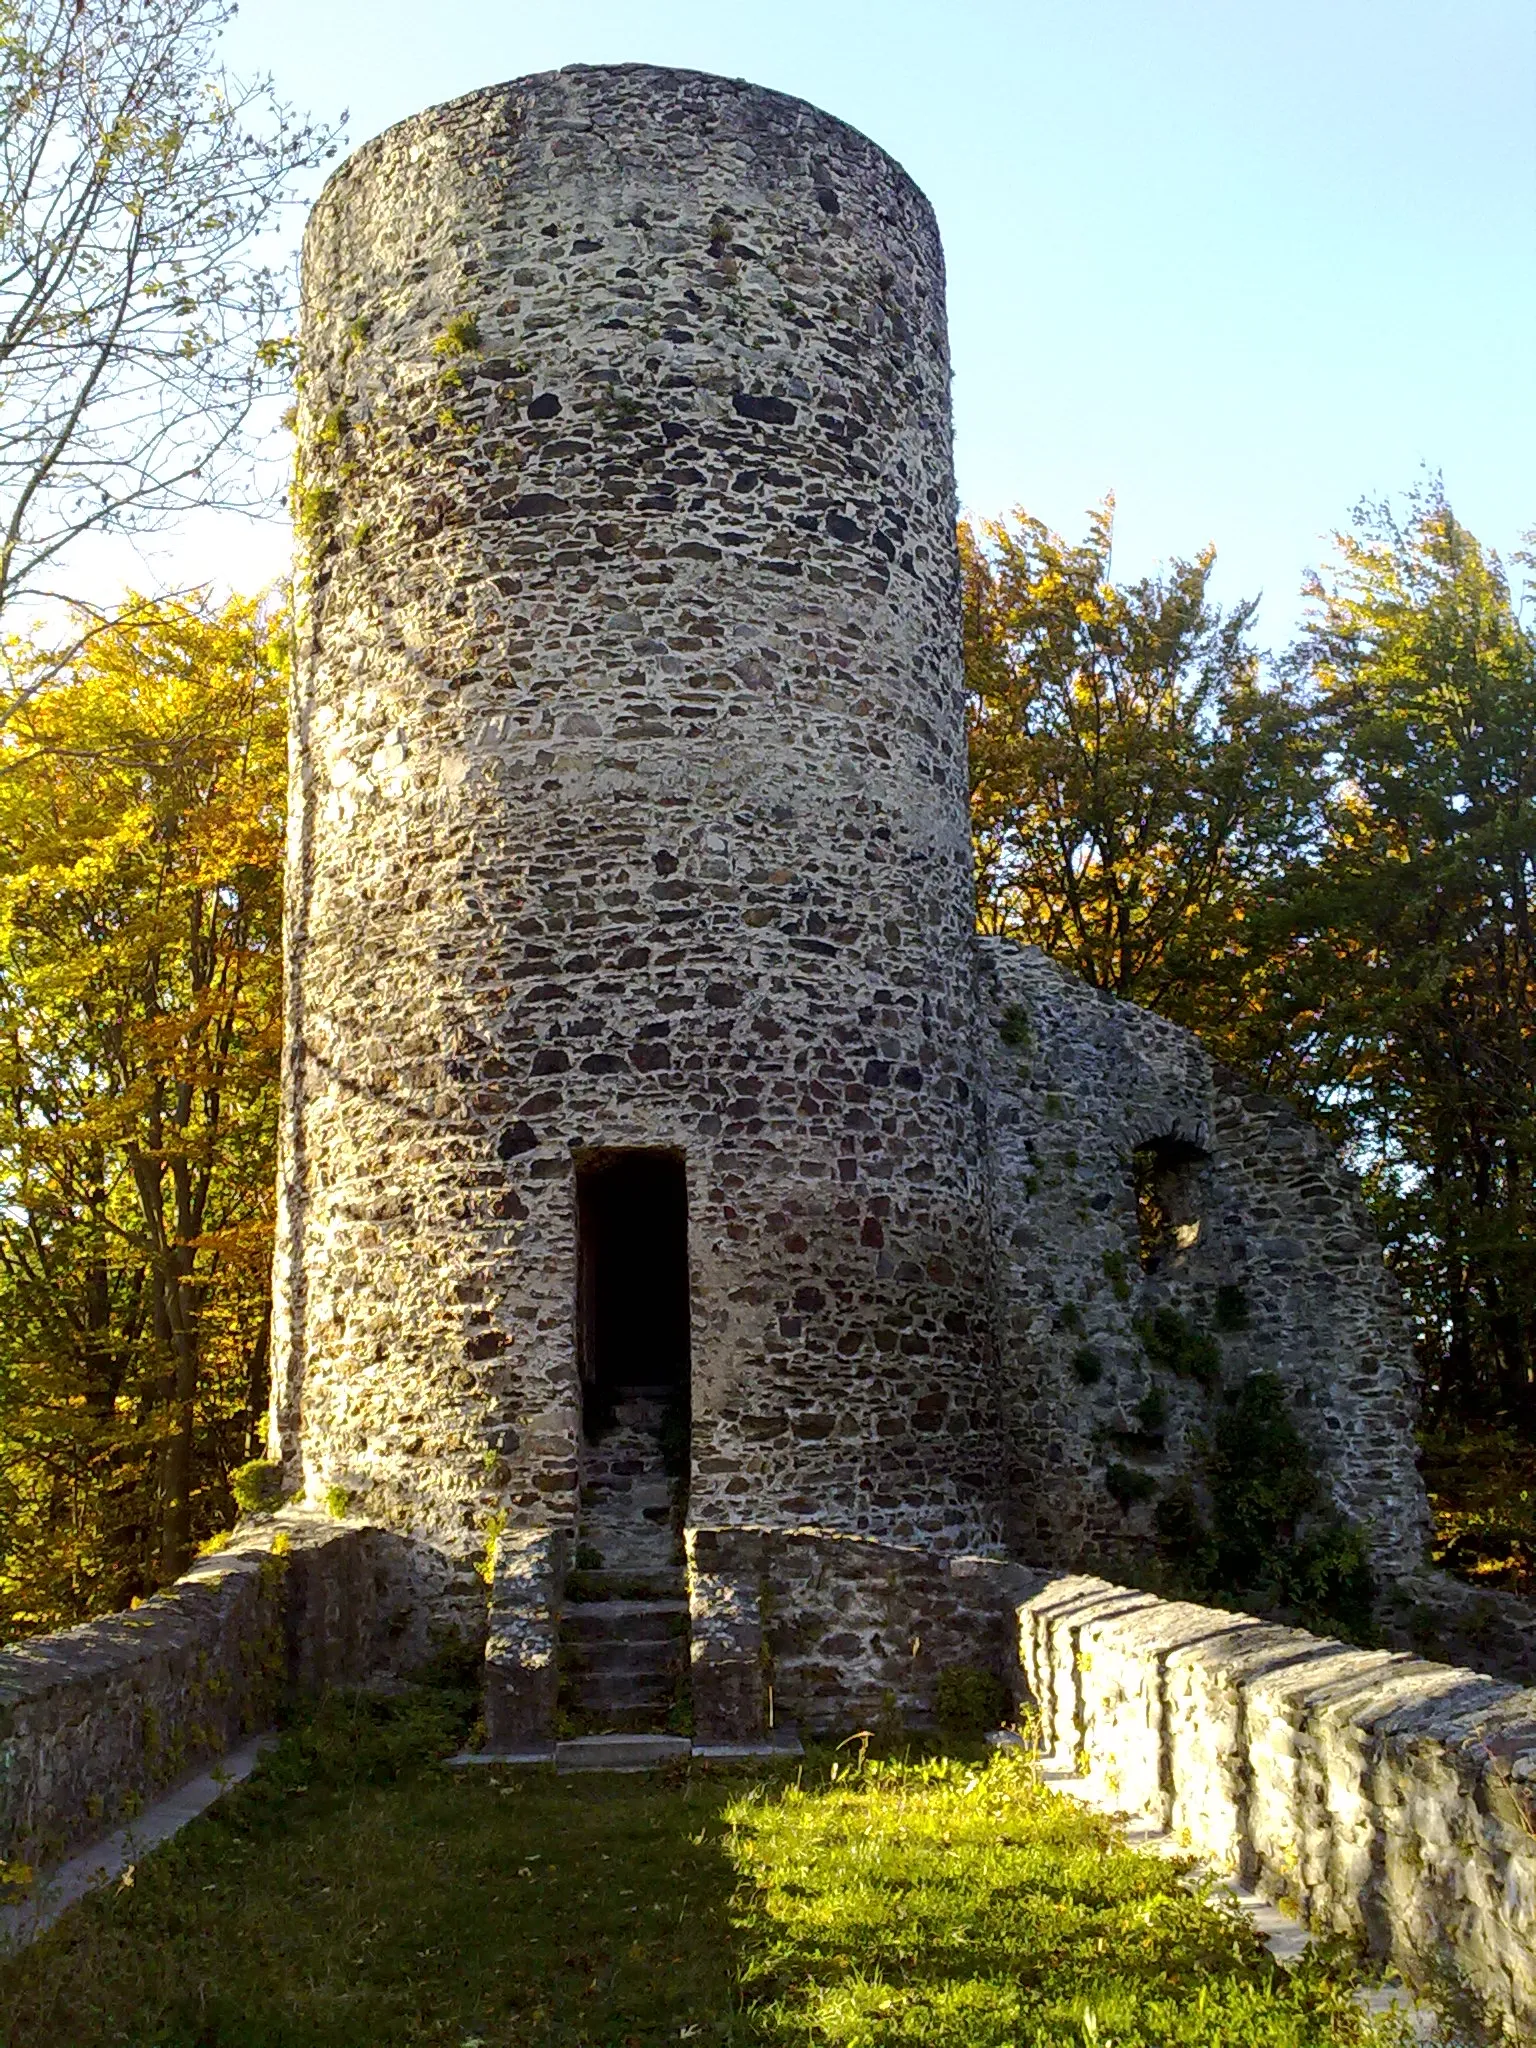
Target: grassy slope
[[356, 1895]]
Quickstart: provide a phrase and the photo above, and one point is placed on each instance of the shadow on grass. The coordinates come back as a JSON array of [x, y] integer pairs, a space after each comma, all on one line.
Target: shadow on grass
[[356, 1894]]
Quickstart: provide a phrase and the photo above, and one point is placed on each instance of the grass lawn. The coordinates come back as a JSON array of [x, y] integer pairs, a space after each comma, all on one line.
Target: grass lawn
[[355, 1894]]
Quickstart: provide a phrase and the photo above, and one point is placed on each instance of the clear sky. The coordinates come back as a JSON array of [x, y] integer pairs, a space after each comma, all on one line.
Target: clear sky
[[1243, 262]]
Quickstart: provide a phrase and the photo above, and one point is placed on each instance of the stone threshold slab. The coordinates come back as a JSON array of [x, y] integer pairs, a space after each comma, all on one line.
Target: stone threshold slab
[[632, 1752], [111, 1860]]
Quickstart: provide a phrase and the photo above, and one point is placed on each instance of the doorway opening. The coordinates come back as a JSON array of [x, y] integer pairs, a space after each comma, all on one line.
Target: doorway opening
[[632, 1293]]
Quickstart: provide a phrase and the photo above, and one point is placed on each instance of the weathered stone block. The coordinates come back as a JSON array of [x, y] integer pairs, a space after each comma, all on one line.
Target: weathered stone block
[[522, 1672]]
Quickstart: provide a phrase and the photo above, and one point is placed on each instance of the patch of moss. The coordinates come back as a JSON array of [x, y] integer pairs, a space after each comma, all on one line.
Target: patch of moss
[[1114, 1272], [258, 1486], [314, 507], [1087, 1366], [1180, 1346], [461, 337]]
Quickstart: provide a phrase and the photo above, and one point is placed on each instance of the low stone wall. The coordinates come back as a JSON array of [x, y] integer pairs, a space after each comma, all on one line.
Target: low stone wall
[[834, 1631], [1388, 1799], [99, 1720], [1436, 1616]]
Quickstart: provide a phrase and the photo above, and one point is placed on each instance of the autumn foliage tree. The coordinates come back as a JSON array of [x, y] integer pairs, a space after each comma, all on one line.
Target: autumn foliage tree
[[1407, 1011], [141, 805], [1325, 869], [1135, 779]]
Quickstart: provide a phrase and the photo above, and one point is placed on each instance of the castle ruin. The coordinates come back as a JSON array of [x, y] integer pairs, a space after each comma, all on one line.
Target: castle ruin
[[683, 1213]]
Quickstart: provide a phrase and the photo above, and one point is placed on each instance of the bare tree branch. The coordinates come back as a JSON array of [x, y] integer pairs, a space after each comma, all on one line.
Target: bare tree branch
[[137, 325]]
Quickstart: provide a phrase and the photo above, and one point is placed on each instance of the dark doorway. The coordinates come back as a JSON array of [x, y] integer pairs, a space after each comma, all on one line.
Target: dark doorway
[[632, 1266]]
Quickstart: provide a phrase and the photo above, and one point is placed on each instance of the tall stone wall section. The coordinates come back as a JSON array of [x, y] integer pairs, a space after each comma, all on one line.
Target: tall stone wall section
[[1078, 1080], [628, 809]]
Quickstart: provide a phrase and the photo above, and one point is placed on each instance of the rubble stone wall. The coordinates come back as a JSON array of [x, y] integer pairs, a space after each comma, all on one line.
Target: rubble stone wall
[[1282, 1251], [628, 809], [97, 1721], [844, 1631], [1387, 1799]]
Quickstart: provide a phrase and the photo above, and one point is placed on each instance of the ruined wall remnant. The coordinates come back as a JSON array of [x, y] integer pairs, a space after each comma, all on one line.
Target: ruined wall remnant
[[97, 1721], [629, 809], [1385, 1799], [1257, 1242]]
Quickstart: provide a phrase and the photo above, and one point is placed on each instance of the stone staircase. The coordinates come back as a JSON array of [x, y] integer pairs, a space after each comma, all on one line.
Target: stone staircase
[[624, 1627]]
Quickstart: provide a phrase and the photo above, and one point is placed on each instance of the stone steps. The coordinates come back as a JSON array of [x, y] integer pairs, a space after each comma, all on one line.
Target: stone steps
[[624, 1626], [601, 1588]]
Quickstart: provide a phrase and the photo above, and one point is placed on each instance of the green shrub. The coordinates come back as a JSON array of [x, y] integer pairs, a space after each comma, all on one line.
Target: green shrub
[[1013, 1026], [1327, 1580], [1270, 1540], [1087, 1366], [1263, 1479], [1178, 1346], [258, 1486], [1152, 1413], [1184, 1540], [969, 1701], [1231, 1310], [1127, 1486]]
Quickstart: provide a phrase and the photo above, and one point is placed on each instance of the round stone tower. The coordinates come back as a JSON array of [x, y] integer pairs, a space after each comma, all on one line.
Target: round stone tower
[[630, 1018]]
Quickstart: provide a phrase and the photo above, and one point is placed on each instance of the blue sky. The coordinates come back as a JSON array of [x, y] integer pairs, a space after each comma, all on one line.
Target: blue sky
[[1242, 262]]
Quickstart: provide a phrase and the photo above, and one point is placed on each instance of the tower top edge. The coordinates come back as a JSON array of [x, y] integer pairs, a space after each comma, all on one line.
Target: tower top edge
[[573, 89]]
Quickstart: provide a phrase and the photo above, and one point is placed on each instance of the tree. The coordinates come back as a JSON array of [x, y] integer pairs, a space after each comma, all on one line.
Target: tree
[[137, 326], [1410, 1011], [141, 811], [1134, 783], [1329, 877]]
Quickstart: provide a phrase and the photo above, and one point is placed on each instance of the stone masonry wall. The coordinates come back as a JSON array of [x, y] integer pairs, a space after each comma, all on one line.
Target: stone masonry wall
[[1387, 1799], [1076, 1080], [845, 1631], [629, 809], [99, 1720], [859, 1631]]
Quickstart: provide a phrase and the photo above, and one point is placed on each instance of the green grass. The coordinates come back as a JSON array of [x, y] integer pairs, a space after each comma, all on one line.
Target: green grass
[[355, 1894]]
